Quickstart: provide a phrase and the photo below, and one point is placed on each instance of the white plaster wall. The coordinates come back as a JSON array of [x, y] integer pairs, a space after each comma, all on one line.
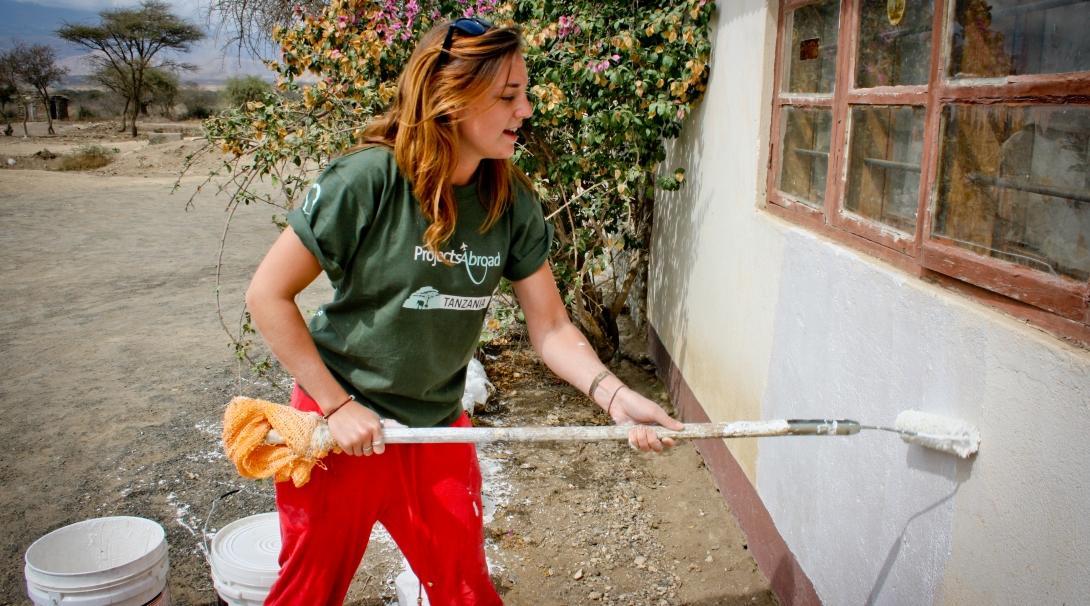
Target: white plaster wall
[[767, 320], [873, 520], [1020, 531], [714, 255]]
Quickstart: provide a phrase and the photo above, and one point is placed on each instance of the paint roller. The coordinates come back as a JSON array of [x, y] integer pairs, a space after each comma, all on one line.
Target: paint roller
[[915, 427]]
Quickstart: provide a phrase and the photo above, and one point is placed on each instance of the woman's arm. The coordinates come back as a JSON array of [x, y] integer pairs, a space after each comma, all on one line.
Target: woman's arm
[[285, 271], [566, 352]]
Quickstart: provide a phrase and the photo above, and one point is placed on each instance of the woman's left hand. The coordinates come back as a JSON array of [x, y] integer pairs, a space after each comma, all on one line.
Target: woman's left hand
[[630, 407]]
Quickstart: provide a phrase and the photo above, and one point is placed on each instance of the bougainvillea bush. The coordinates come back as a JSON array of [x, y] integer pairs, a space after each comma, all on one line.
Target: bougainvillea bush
[[611, 81]]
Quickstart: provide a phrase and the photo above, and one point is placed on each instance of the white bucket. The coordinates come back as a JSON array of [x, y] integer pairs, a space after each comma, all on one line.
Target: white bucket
[[119, 561], [244, 558], [408, 589]]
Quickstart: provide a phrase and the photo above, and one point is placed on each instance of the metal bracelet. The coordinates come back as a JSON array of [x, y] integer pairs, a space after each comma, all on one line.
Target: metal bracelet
[[594, 384]]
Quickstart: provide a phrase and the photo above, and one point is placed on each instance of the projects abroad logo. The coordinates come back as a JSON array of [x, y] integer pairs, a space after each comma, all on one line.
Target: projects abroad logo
[[473, 262]]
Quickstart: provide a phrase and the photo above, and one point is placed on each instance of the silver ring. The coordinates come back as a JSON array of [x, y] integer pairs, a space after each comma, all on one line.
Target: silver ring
[[367, 449]]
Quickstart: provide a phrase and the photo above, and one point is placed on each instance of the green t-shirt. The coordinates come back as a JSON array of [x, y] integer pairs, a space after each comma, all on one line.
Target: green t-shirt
[[402, 326]]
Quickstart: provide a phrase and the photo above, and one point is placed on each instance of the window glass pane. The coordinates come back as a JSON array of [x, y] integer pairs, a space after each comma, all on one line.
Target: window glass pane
[[884, 164], [995, 38], [805, 152], [894, 43], [810, 58], [1015, 185]]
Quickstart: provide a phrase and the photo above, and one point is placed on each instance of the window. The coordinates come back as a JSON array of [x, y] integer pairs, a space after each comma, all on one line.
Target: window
[[950, 137]]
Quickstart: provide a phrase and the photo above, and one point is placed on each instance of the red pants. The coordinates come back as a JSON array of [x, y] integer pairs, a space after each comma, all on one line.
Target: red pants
[[428, 496]]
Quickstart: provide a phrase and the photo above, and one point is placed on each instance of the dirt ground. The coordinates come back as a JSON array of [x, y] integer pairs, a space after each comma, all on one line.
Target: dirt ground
[[115, 374]]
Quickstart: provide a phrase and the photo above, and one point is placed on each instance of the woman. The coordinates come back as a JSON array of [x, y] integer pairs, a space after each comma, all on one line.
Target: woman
[[414, 232]]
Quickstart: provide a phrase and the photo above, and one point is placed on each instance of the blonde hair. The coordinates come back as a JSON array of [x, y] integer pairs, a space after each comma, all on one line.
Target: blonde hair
[[420, 124]]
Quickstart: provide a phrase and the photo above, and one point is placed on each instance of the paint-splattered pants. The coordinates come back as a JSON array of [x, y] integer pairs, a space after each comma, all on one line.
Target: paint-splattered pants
[[428, 496]]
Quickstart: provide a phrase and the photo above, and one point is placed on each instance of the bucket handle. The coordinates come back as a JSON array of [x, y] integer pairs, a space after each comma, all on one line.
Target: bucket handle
[[207, 549]]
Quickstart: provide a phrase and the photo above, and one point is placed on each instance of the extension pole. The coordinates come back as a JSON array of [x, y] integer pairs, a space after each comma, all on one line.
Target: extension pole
[[923, 429]]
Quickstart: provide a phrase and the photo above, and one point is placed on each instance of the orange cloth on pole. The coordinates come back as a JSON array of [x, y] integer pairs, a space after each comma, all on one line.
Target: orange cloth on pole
[[247, 422]]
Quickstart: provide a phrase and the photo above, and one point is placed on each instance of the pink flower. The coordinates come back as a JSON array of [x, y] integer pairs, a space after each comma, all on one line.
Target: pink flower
[[598, 67], [342, 22], [335, 54], [567, 27], [601, 66], [396, 20]]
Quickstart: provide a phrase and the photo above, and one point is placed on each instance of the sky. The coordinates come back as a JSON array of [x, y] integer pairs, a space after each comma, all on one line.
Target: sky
[[35, 21]]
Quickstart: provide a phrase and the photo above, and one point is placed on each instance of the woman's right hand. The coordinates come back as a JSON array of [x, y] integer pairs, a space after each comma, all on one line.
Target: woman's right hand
[[357, 430]]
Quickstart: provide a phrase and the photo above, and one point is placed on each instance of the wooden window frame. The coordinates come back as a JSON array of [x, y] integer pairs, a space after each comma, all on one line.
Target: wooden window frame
[[1059, 305]]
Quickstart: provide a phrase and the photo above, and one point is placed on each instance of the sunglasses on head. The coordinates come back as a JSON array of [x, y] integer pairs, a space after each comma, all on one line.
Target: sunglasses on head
[[468, 26]]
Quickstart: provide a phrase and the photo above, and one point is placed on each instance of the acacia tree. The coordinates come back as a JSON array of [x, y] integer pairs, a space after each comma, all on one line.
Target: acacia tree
[[128, 40], [160, 89], [36, 66], [114, 81]]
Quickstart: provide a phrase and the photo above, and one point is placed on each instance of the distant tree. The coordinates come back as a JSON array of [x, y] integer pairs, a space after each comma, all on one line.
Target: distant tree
[[36, 66], [129, 39], [9, 80], [239, 90], [114, 80], [160, 89], [8, 92], [7, 95], [199, 102]]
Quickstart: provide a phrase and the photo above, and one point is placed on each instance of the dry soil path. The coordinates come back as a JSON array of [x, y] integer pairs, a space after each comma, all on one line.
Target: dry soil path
[[114, 374], [113, 369]]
